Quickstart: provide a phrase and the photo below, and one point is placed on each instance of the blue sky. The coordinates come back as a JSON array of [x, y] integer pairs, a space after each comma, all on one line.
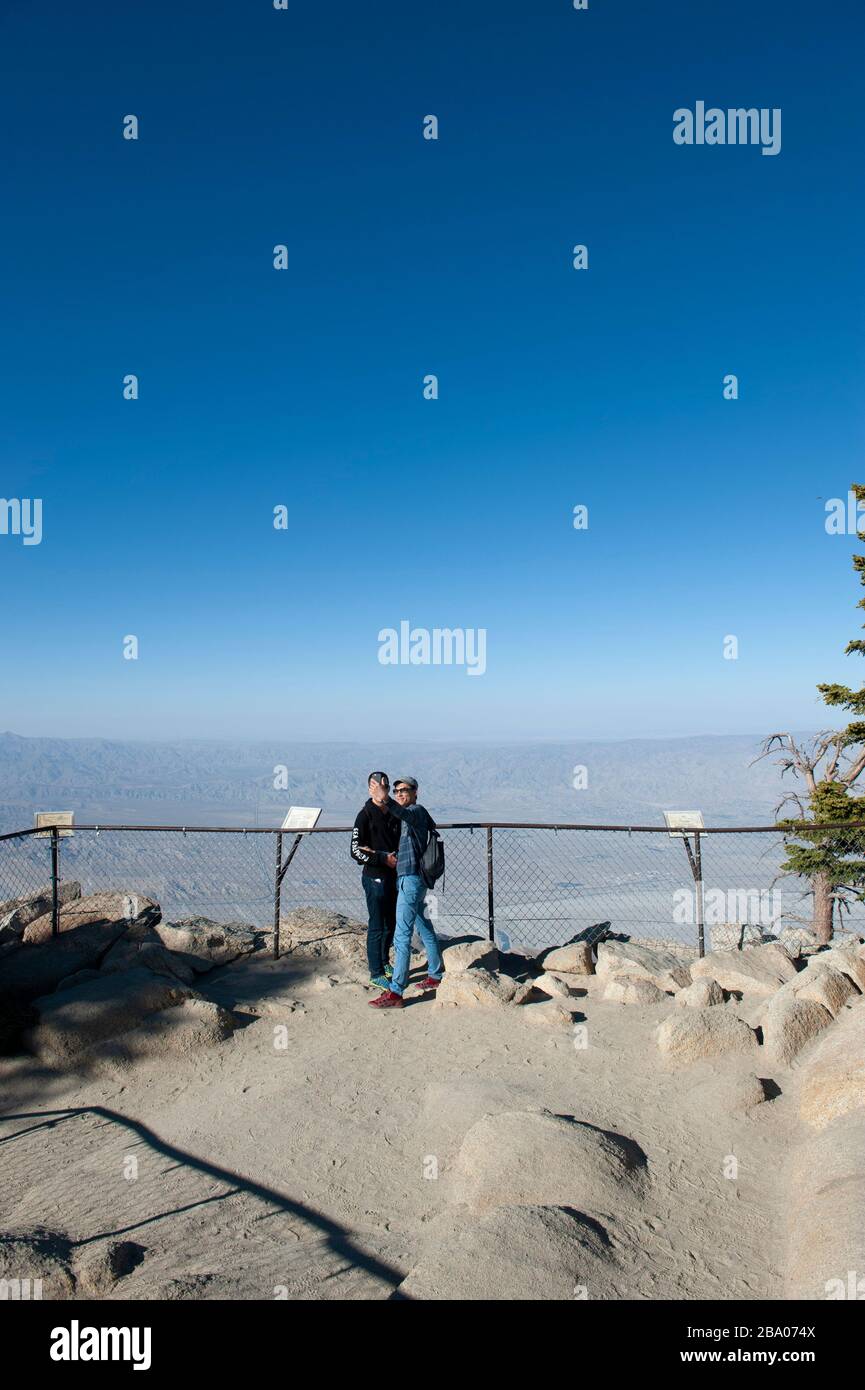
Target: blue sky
[[407, 257]]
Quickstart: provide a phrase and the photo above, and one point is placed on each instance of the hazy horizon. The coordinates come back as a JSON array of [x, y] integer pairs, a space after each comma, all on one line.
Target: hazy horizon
[[253, 782]]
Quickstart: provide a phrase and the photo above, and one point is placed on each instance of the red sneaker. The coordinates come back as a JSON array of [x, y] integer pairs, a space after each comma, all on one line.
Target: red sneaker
[[429, 983], [388, 1000]]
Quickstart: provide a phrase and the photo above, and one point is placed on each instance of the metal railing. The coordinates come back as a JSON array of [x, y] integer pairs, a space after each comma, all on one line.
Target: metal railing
[[525, 884]]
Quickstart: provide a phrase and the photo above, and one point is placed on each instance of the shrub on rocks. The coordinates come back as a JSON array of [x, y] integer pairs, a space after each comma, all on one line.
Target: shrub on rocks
[[690, 1034]]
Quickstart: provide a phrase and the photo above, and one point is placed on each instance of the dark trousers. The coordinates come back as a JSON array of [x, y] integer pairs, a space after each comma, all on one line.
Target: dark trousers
[[381, 907]]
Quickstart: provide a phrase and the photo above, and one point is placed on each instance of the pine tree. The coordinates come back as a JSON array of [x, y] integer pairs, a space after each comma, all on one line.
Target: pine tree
[[831, 860]]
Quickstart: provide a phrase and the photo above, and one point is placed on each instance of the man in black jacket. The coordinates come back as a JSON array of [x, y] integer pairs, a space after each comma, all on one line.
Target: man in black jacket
[[374, 843]]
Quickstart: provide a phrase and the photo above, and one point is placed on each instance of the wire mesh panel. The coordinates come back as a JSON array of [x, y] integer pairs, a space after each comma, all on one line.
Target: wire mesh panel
[[548, 884], [323, 874], [25, 871], [552, 885], [744, 882], [228, 877]]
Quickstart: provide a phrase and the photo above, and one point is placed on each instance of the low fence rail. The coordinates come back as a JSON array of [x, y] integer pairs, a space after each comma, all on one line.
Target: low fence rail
[[525, 884]]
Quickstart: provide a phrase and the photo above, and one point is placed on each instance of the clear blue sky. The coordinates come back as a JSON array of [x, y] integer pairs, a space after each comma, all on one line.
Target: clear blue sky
[[409, 257]]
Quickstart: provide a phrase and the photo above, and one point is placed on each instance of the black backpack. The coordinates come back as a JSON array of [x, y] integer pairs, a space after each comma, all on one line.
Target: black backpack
[[431, 860]]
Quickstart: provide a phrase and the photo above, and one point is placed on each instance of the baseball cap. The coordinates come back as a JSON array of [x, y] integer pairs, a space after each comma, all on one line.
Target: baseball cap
[[406, 782]]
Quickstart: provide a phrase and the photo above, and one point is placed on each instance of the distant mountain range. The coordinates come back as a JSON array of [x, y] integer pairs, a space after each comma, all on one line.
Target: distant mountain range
[[212, 783]]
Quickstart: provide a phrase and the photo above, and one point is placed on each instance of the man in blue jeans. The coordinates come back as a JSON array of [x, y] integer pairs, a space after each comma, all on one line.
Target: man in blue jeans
[[411, 898]]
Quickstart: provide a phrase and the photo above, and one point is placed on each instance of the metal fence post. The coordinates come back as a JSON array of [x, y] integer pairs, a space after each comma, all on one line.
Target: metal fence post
[[491, 916], [698, 885], [277, 895], [55, 881]]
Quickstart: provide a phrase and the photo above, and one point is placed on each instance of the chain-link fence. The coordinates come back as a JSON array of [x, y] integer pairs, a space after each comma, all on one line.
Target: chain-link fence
[[529, 886]]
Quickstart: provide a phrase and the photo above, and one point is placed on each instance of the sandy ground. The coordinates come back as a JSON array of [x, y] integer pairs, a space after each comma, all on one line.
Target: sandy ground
[[299, 1171]]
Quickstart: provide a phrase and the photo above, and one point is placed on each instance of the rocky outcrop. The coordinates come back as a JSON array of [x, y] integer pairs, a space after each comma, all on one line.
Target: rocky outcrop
[[524, 1253], [734, 935], [663, 968], [847, 957], [473, 987], [527, 1158], [702, 994], [199, 944], [574, 959], [466, 954], [18, 913], [35, 970], [312, 934], [833, 1078], [755, 970], [36, 1264], [74, 1021], [789, 1023], [145, 949], [633, 989], [96, 910], [690, 1034], [99, 1267]]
